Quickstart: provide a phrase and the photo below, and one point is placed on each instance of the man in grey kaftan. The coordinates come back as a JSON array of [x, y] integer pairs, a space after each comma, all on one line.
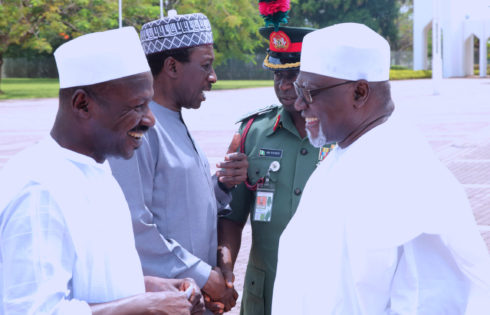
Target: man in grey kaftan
[[173, 199]]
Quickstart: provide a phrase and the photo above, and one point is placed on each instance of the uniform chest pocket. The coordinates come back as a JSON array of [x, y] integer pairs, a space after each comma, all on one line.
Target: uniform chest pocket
[[258, 167]]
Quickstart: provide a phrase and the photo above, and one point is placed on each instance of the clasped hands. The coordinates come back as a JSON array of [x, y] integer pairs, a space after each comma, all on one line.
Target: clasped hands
[[219, 293], [176, 296]]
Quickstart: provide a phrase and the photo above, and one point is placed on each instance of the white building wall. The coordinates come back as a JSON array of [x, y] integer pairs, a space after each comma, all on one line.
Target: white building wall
[[453, 16], [422, 15], [460, 20]]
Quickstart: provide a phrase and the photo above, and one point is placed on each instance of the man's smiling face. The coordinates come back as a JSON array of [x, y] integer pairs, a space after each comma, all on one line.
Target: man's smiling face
[[122, 116], [328, 115]]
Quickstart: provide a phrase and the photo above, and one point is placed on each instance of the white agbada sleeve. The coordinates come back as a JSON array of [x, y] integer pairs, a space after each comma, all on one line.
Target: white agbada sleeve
[[37, 255]]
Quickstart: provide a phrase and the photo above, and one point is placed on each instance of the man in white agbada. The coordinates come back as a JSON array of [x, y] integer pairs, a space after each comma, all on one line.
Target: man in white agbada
[[66, 240], [382, 227]]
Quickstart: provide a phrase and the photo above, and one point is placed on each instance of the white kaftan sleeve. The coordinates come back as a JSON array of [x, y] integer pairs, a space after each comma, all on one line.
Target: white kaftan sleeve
[[160, 256], [429, 281], [36, 257]]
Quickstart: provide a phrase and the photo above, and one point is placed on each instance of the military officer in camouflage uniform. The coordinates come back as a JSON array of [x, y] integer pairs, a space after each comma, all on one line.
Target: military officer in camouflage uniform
[[281, 159]]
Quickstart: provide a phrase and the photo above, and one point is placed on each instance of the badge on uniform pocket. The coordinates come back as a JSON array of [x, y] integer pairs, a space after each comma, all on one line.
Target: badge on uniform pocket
[[265, 196], [263, 203]]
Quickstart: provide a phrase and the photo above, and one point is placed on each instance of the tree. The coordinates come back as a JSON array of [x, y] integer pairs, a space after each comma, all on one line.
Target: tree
[[405, 26], [380, 15], [41, 25], [235, 25], [19, 25]]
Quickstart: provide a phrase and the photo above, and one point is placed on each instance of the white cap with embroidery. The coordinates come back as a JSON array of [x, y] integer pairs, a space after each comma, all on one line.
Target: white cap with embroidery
[[100, 57], [348, 51], [175, 32]]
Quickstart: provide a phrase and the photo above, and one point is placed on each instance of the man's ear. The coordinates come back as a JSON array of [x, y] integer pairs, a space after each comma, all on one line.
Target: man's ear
[[81, 104], [170, 67], [361, 93]]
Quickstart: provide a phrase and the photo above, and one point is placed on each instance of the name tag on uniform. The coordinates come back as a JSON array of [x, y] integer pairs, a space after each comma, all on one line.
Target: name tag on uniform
[[270, 153]]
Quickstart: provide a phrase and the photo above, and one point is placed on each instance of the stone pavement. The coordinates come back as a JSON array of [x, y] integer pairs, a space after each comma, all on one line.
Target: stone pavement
[[456, 123]]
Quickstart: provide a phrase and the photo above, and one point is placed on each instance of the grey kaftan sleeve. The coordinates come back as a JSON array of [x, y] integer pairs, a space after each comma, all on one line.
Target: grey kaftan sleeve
[[223, 198], [160, 256]]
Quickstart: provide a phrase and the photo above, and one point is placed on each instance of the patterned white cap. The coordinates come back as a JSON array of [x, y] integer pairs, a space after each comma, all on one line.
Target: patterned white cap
[[348, 51], [176, 31], [100, 57]]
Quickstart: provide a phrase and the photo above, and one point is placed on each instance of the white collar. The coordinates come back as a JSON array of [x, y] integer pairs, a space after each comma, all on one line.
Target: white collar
[[75, 156]]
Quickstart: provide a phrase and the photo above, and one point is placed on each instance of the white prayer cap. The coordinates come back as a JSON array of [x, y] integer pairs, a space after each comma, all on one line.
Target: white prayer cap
[[100, 57], [348, 51], [176, 31]]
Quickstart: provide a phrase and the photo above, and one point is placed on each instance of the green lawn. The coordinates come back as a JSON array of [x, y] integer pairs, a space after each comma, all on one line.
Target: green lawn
[[241, 84], [18, 88], [476, 70], [28, 88], [409, 74]]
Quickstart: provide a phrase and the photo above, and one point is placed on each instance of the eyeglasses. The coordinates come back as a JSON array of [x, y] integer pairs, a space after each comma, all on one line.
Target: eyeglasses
[[306, 93]]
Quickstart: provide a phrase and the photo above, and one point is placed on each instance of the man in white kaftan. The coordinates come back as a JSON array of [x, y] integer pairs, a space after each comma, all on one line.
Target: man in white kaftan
[[66, 239], [66, 236], [395, 233]]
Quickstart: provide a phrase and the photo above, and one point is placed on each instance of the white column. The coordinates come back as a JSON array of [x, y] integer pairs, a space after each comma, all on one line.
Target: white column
[[161, 9], [419, 48], [483, 56], [120, 13], [422, 19], [436, 47], [418, 37], [469, 56]]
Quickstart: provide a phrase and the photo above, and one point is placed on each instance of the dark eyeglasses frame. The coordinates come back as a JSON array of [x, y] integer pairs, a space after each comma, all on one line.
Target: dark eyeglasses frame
[[306, 93]]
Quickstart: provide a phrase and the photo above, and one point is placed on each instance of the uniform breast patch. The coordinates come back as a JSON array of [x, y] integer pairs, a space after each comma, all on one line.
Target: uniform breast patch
[[270, 153]]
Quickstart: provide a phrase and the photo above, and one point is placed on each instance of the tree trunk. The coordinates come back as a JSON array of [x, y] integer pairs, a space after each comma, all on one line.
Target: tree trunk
[[1, 64]]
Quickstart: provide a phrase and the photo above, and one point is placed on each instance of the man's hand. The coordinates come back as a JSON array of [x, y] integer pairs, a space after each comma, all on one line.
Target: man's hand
[[218, 307], [218, 296], [155, 284], [233, 170], [196, 298], [168, 303], [159, 303], [229, 301]]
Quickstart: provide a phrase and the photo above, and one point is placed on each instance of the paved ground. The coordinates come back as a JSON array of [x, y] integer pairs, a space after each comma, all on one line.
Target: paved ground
[[456, 123]]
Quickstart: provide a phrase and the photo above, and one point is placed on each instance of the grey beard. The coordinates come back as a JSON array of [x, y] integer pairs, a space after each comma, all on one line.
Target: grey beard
[[320, 140]]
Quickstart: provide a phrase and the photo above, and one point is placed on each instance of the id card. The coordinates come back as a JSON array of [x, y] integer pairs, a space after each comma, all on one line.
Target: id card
[[263, 204]]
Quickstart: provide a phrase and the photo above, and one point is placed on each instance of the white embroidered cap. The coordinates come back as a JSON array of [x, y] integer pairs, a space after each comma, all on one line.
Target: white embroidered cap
[[100, 57], [176, 31], [348, 51]]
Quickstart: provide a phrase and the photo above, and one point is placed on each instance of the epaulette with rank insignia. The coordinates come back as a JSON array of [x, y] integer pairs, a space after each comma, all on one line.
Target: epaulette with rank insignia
[[250, 117], [258, 112]]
